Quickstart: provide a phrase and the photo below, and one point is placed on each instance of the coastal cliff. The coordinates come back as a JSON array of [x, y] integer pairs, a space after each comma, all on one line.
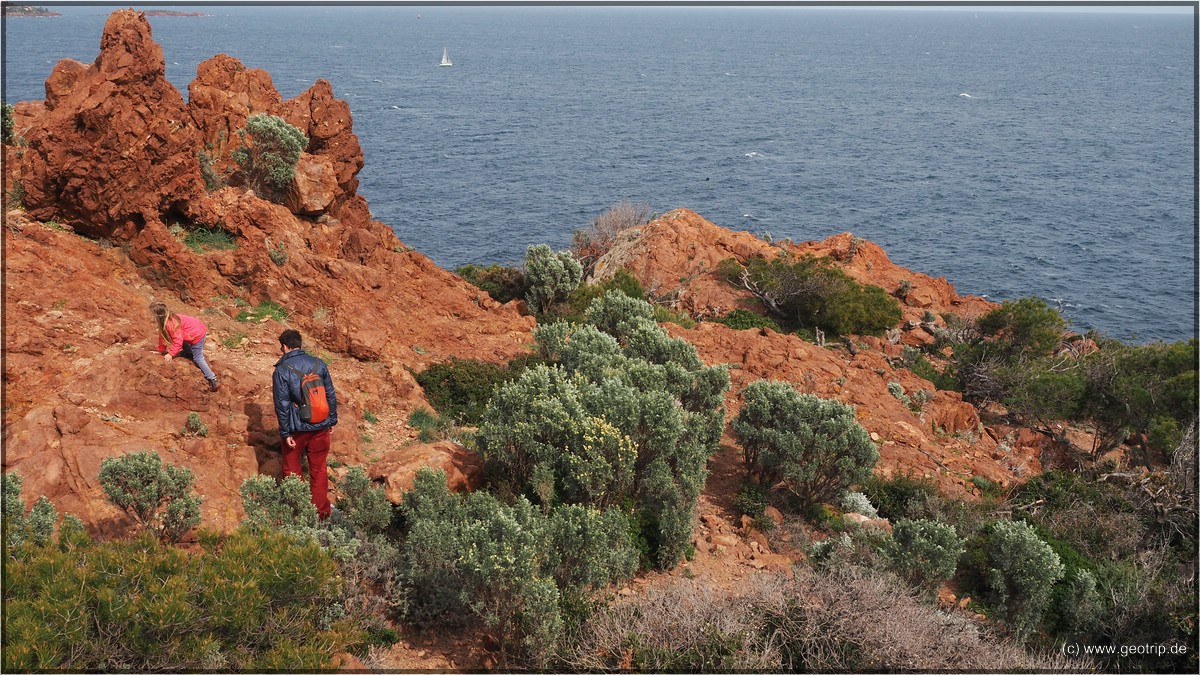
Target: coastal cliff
[[111, 186]]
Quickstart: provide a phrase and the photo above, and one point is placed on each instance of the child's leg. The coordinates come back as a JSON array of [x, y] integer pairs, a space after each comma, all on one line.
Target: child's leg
[[196, 351]]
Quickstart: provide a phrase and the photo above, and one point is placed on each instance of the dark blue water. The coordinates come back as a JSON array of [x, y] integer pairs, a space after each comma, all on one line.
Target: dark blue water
[[1014, 152]]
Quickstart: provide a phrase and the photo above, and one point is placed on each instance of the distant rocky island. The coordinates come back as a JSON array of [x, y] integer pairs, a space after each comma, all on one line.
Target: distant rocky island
[[28, 10]]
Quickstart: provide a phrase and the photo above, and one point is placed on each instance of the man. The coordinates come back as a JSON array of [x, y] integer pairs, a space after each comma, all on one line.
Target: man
[[300, 437]]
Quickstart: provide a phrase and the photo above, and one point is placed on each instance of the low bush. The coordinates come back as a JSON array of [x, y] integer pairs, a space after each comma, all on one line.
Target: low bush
[[459, 389], [471, 558], [593, 241], [266, 309], [901, 496], [623, 412], [813, 447], [249, 603], [743, 319], [503, 283], [269, 151], [811, 292], [1018, 572], [550, 277], [203, 239], [924, 553], [842, 619], [155, 496]]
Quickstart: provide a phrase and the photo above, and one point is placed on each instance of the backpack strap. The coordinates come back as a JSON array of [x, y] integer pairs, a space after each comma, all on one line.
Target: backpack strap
[[300, 373]]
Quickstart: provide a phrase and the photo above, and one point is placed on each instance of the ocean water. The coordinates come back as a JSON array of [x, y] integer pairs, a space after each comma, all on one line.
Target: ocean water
[[1013, 152]]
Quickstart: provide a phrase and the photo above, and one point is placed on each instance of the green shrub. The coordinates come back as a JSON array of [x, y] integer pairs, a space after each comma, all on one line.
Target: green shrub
[[550, 277], [1025, 327], [194, 427], [429, 426], [1019, 572], [742, 319], [624, 411], [857, 502], [157, 497], [277, 505], [6, 123], [250, 603], [459, 389], [581, 298], [924, 552], [38, 525], [203, 239], [504, 284], [815, 447], [365, 505], [471, 556], [812, 292], [269, 153], [265, 309]]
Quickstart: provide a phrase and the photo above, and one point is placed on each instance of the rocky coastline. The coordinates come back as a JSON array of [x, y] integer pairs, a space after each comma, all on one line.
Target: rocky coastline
[[107, 168]]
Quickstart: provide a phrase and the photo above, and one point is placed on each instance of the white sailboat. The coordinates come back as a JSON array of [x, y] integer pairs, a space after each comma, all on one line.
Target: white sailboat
[[445, 58]]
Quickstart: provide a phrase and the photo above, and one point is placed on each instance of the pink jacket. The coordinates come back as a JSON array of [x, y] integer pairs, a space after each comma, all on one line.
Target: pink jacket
[[190, 331]]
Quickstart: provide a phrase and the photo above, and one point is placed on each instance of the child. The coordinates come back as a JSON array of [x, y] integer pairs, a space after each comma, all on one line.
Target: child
[[179, 333]]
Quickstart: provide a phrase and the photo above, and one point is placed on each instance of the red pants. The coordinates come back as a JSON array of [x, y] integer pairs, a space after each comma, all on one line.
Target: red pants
[[314, 444]]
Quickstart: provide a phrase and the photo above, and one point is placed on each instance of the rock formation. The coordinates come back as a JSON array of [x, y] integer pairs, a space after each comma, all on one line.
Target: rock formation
[[110, 168]]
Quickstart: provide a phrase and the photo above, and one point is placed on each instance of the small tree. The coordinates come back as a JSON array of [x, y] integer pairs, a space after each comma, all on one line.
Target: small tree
[[812, 447], [269, 153], [157, 497], [925, 552], [1020, 574], [549, 276]]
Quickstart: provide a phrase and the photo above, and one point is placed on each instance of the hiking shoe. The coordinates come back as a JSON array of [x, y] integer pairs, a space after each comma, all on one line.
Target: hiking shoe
[[213, 385]]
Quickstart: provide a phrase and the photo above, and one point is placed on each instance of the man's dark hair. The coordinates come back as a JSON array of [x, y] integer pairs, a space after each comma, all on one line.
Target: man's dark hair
[[290, 338]]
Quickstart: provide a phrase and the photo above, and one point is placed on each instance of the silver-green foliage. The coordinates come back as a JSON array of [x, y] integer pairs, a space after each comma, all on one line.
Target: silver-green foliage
[[507, 566], [269, 152], [38, 525], [157, 497], [623, 413], [550, 276], [814, 446], [1021, 573], [277, 505], [857, 502], [366, 505], [924, 552]]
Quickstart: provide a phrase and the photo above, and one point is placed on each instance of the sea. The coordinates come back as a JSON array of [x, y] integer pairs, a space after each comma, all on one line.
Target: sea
[[1017, 151]]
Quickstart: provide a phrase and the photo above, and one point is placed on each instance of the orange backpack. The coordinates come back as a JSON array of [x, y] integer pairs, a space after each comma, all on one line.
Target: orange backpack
[[313, 406]]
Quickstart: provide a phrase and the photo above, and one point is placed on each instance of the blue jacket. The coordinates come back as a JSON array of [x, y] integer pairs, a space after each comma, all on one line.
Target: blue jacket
[[285, 389]]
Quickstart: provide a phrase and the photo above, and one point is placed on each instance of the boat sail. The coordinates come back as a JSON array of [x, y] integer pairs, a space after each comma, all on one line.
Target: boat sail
[[445, 58]]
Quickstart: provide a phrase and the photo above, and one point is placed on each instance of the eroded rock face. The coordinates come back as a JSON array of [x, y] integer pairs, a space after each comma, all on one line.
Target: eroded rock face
[[115, 147]]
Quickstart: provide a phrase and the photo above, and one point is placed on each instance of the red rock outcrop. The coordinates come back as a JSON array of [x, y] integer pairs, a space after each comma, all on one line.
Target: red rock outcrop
[[112, 154], [81, 379], [115, 147], [676, 255]]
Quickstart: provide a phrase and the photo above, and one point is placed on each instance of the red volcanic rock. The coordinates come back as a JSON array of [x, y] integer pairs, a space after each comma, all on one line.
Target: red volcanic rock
[[326, 122], [115, 147], [222, 96], [867, 263], [315, 186], [675, 257], [398, 469]]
